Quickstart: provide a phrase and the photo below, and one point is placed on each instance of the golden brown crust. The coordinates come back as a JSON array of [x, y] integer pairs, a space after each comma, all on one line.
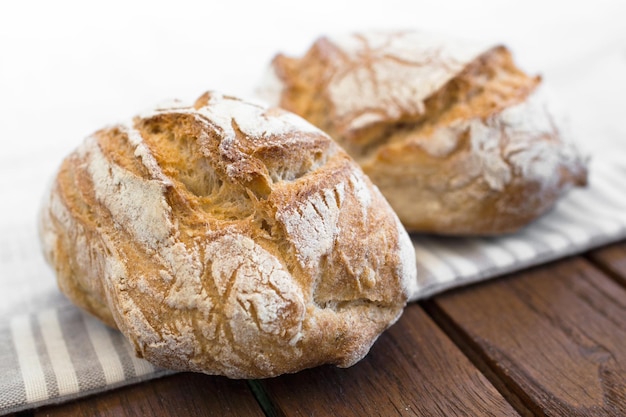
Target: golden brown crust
[[229, 239], [457, 138]]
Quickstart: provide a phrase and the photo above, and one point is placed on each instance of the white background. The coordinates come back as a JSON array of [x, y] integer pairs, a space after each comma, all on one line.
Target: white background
[[68, 68]]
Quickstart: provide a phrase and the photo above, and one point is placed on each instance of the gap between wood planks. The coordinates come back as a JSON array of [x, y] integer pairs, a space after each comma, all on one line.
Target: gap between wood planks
[[465, 344], [263, 398], [611, 260]]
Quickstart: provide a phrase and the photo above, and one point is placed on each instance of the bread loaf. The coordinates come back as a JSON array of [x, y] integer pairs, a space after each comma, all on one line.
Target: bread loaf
[[457, 138], [227, 238]]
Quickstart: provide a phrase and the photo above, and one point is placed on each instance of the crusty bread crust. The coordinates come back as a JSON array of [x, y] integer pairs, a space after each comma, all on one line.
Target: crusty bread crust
[[457, 138], [229, 239]]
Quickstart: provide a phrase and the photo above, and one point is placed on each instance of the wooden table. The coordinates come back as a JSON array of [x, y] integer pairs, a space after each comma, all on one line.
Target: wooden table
[[546, 341]]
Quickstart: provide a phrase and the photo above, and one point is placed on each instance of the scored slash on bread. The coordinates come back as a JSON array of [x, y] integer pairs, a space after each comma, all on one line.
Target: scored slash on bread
[[455, 135], [227, 238]]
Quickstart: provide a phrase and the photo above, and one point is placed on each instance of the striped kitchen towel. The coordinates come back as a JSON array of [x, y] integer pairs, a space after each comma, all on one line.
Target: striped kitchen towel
[[51, 352], [61, 353]]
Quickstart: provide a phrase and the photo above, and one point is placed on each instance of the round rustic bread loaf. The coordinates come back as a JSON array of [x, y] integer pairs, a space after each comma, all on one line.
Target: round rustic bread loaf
[[227, 238], [457, 138]]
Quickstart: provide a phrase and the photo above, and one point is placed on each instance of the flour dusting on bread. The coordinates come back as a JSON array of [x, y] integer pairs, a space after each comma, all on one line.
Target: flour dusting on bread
[[457, 137], [227, 238], [384, 76]]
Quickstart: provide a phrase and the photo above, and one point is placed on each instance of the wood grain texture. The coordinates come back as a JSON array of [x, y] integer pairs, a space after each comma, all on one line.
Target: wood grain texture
[[413, 369], [555, 335], [612, 259], [180, 395]]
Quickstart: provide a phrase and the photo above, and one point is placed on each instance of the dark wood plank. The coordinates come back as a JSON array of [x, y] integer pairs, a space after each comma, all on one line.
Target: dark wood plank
[[413, 369], [555, 335], [180, 395], [612, 259]]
